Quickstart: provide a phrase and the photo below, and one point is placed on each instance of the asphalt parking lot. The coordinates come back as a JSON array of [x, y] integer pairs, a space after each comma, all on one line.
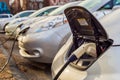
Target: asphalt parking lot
[[18, 67]]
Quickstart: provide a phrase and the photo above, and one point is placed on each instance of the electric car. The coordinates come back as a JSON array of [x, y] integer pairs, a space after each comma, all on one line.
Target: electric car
[[10, 28], [103, 8], [4, 22], [92, 52], [37, 44]]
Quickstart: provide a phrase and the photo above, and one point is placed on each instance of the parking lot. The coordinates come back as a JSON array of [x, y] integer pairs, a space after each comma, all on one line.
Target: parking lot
[[18, 67]]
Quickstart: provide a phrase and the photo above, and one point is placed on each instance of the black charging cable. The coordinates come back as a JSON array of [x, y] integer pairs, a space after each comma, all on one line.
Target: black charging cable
[[70, 59], [23, 31], [10, 55], [8, 60]]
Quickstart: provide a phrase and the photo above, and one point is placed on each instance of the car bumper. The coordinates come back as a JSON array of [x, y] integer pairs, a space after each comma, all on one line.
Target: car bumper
[[33, 52]]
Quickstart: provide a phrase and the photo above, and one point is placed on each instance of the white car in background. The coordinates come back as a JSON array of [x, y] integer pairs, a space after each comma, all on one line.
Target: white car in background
[[84, 56], [36, 16], [40, 43], [104, 10], [10, 27], [5, 16], [4, 22]]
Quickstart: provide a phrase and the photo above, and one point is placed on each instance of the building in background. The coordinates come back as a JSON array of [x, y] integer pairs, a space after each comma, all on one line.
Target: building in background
[[16, 6], [56, 2], [6, 1], [35, 4], [20, 5]]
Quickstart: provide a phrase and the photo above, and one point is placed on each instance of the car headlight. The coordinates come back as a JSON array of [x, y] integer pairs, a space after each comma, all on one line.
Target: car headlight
[[24, 30], [17, 21]]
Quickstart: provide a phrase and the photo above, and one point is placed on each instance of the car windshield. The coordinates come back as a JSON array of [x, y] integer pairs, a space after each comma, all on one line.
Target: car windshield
[[61, 9], [43, 11], [23, 14]]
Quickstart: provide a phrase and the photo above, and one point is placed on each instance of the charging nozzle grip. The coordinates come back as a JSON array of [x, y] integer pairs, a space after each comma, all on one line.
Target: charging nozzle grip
[[84, 48]]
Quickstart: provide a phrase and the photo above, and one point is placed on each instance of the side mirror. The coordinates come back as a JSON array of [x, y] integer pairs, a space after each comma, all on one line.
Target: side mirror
[[18, 17]]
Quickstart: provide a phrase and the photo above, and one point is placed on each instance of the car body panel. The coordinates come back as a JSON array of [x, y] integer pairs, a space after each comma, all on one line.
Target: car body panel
[[10, 28], [106, 67], [47, 23], [43, 26], [111, 25], [45, 49]]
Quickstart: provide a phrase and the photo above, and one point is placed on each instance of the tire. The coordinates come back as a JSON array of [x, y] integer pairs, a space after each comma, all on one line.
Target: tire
[[5, 26]]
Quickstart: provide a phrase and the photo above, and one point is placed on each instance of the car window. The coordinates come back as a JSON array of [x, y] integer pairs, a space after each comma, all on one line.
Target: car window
[[108, 5], [46, 12], [25, 14], [3, 16], [116, 2]]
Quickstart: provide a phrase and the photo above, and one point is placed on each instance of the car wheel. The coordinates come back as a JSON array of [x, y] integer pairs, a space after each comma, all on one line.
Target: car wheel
[[5, 26]]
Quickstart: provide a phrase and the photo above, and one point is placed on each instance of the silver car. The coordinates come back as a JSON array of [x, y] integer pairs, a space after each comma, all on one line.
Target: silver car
[[4, 22], [99, 9], [11, 27], [41, 44], [44, 47]]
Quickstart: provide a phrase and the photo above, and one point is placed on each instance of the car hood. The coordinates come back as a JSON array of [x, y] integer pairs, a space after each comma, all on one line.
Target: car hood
[[34, 19], [44, 24], [18, 20]]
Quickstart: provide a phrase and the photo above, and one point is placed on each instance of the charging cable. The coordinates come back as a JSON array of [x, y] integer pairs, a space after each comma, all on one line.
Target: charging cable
[[84, 48], [6, 63], [8, 60]]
